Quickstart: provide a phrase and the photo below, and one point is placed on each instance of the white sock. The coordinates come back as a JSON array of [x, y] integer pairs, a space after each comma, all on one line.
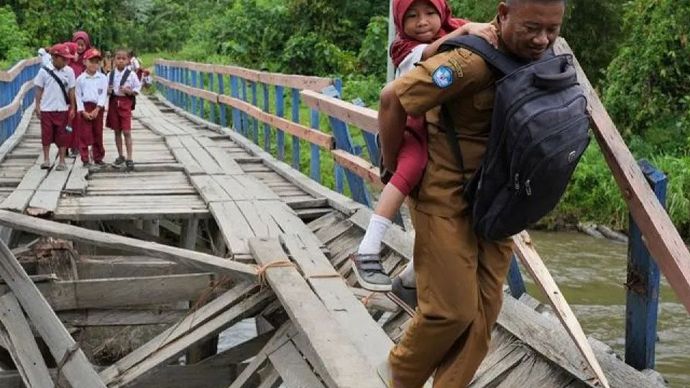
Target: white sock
[[408, 277], [371, 243]]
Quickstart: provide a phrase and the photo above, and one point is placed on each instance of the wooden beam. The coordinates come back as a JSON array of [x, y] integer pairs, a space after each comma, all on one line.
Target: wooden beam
[[189, 323], [540, 274], [358, 166], [174, 347], [339, 362], [361, 117], [196, 260], [76, 366], [98, 267], [121, 317], [662, 238], [22, 345]]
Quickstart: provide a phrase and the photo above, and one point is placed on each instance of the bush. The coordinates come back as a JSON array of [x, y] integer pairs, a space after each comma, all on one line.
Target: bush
[[373, 55], [311, 54], [648, 84], [13, 41]]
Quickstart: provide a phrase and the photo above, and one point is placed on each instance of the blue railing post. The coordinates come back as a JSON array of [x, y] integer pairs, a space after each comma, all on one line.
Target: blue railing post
[[235, 93], [213, 106], [315, 162], [195, 100], [515, 281], [295, 101], [267, 128], [255, 121], [245, 116], [280, 112], [642, 302], [223, 110], [200, 101], [370, 140]]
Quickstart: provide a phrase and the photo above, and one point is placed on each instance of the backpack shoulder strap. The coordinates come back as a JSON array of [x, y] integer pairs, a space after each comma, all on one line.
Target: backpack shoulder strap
[[125, 77], [501, 61], [111, 77], [59, 82]]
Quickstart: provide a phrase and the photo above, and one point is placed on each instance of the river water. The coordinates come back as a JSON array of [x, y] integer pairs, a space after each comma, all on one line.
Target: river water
[[591, 274]]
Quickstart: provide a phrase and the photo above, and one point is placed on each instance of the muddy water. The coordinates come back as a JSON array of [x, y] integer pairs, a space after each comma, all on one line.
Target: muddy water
[[591, 273]]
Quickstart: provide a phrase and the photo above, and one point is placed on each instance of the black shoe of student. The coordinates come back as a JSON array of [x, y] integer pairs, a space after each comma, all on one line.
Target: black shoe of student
[[119, 161], [406, 294], [369, 272], [129, 165]]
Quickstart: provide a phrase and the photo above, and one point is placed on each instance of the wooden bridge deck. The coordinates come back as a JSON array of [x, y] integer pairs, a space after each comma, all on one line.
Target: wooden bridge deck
[[230, 205]]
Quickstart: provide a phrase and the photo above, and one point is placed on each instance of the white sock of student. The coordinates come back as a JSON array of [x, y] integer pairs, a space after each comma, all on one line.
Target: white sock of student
[[371, 243]]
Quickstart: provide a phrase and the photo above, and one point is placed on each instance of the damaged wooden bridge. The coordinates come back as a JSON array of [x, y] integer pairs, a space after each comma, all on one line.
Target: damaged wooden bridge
[[151, 278]]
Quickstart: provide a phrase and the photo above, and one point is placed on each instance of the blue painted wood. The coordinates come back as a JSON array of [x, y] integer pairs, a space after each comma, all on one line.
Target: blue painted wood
[[201, 112], [280, 112], [295, 101], [344, 142], [235, 93], [267, 128], [315, 160], [223, 109], [642, 295], [515, 280], [370, 141], [195, 100], [244, 116], [255, 122], [213, 107]]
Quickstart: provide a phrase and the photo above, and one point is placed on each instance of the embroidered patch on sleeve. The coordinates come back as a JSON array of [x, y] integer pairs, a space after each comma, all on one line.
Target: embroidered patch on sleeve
[[442, 77]]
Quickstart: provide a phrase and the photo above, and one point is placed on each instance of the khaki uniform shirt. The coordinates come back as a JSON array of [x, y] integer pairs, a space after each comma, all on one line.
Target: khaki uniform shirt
[[470, 98]]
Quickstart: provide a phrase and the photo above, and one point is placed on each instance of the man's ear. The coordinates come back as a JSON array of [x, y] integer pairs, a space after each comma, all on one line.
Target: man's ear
[[503, 9]]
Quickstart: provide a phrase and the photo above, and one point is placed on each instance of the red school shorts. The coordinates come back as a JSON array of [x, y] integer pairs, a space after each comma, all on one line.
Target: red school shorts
[[54, 129], [119, 113]]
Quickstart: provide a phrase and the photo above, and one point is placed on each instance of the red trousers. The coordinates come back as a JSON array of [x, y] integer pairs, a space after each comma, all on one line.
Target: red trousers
[[53, 129], [119, 115], [412, 157], [90, 133]]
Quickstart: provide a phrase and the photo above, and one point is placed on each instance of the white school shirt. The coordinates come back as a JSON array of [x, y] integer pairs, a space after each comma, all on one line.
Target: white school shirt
[[53, 99], [414, 57], [91, 88], [132, 82]]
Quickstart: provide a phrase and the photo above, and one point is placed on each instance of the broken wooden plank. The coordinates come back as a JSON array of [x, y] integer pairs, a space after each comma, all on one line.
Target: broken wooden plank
[[203, 158], [24, 350], [330, 287], [280, 336], [177, 345], [209, 189], [46, 198], [291, 366], [185, 158], [233, 226], [75, 365], [197, 260], [226, 163], [76, 183], [190, 322], [120, 317], [342, 363]]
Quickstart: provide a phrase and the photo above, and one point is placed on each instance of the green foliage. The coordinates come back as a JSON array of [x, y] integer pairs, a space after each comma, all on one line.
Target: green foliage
[[648, 83], [474, 10], [312, 54], [373, 54], [13, 41]]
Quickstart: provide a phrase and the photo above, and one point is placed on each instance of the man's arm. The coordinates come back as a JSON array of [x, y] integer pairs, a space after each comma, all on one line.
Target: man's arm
[[392, 118]]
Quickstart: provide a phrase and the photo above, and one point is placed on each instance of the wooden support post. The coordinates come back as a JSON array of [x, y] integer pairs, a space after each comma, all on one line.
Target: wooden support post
[[294, 102], [315, 162], [280, 112], [642, 302], [75, 366], [515, 281]]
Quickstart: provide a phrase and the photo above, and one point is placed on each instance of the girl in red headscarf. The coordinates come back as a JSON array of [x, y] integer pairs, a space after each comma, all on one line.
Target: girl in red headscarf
[[83, 42], [422, 26]]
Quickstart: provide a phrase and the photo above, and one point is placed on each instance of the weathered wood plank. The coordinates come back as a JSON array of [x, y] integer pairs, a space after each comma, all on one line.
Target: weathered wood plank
[[203, 158], [197, 260], [293, 370], [46, 198], [225, 161], [233, 226], [76, 183], [23, 348], [343, 364], [190, 322], [76, 366], [120, 317], [175, 347], [209, 189], [185, 158], [360, 117]]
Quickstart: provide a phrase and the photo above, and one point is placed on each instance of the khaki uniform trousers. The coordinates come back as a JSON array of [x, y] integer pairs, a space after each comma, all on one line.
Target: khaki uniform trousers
[[460, 293]]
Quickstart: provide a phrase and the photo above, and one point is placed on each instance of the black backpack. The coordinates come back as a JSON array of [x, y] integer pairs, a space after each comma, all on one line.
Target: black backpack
[[539, 131], [125, 76]]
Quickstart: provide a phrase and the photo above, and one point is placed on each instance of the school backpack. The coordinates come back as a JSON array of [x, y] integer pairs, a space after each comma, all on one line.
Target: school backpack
[[539, 131], [125, 76]]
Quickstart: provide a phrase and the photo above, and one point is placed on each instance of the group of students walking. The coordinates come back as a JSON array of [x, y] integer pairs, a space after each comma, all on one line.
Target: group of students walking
[[74, 91]]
